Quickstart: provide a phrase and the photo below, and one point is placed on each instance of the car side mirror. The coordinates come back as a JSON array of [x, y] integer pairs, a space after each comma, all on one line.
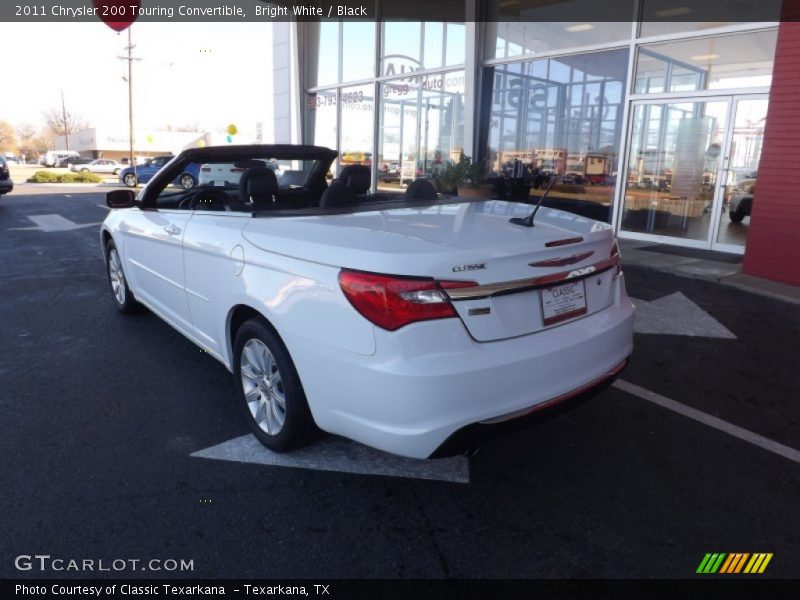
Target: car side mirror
[[121, 199]]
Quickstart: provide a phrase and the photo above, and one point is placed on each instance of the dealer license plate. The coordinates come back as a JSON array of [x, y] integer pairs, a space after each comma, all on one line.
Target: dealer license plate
[[563, 302]]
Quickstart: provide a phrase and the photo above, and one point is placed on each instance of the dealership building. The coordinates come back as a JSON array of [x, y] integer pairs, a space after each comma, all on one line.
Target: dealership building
[[661, 127]]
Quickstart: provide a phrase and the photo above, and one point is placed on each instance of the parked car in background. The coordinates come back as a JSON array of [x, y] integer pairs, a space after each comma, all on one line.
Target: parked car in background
[[222, 174], [52, 157], [6, 185], [408, 323], [99, 165], [133, 176], [741, 201], [68, 161]]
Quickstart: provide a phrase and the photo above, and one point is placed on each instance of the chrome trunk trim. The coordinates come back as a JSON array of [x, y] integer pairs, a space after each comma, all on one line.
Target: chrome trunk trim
[[478, 292]]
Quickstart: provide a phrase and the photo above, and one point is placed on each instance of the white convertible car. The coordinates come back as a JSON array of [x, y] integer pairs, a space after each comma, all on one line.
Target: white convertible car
[[413, 324]]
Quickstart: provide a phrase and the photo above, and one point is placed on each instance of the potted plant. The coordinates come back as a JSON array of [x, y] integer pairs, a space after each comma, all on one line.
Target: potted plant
[[466, 177]]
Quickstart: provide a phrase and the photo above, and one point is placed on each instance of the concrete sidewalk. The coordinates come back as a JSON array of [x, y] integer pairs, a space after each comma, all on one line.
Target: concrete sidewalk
[[720, 267]]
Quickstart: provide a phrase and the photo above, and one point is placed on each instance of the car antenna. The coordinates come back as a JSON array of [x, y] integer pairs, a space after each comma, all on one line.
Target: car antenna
[[528, 221]]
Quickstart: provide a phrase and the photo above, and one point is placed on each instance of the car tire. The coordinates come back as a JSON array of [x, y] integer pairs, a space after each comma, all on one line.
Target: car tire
[[187, 181], [266, 378], [735, 216], [123, 297], [130, 180]]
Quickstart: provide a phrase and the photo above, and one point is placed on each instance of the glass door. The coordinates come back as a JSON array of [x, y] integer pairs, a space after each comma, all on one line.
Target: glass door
[[740, 169], [674, 169]]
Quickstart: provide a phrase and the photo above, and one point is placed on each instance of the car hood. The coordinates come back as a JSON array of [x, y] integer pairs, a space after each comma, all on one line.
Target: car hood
[[474, 240]]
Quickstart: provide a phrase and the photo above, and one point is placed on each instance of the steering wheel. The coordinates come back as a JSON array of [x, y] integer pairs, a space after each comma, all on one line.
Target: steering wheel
[[210, 199]]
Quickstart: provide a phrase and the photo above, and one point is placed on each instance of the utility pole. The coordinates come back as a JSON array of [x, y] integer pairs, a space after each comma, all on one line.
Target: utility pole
[[64, 117], [130, 58]]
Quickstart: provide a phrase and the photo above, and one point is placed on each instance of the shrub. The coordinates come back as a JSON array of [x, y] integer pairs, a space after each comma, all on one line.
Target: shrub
[[464, 173], [49, 177]]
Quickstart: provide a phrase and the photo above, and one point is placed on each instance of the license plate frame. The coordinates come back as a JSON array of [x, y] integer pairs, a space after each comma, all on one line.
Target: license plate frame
[[569, 304]]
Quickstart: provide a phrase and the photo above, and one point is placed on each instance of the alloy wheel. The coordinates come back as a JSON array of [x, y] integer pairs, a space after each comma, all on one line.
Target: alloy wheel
[[117, 277], [263, 386]]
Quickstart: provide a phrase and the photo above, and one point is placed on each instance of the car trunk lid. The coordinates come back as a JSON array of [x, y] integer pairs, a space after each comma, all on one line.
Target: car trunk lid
[[516, 270]]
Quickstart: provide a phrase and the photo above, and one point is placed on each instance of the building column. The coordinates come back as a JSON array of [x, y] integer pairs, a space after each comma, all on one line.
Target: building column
[[287, 84], [773, 241]]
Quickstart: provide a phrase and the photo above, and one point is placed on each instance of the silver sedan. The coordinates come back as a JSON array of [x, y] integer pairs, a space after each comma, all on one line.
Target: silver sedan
[[100, 165]]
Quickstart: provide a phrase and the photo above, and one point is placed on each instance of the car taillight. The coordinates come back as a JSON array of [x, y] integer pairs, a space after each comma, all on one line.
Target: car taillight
[[617, 258], [391, 302]]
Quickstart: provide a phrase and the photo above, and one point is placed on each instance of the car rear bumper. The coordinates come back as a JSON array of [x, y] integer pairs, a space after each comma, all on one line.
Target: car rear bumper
[[429, 380]]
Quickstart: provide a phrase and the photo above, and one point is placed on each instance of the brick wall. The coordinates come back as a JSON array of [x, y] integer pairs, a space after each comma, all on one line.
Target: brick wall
[[773, 242]]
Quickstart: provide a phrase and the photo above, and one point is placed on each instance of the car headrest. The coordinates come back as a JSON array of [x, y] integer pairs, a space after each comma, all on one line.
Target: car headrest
[[421, 189], [259, 186], [338, 194], [356, 177]]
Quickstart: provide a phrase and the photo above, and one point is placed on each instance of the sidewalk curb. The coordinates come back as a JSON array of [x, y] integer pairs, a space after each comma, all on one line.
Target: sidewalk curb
[[739, 281], [763, 287]]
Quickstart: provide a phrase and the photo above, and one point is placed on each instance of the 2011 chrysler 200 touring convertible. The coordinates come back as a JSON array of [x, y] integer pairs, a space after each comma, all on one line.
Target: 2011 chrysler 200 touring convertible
[[409, 323]]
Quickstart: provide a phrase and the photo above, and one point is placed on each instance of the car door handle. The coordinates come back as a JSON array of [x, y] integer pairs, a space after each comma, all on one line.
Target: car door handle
[[172, 229]]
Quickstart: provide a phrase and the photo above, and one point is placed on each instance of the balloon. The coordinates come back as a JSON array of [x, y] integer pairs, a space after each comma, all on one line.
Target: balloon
[[201, 144], [149, 139], [229, 138], [232, 129], [117, 14]]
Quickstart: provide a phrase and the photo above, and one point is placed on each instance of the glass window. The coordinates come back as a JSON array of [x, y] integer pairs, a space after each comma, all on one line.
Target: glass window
[[411, 46], [455, 52], [401, 47], [433, 53], [561, 117], [340, 52], [517, 38], [321, 118], [422, 127], [713, 63], [355, 142], [358, 50], [660, 17], [674, 161], [323, 54]]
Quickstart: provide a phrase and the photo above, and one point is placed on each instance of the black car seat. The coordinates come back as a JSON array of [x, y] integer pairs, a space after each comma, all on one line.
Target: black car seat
[[338, 194], [357, 177], [257, 188], [421, 189]]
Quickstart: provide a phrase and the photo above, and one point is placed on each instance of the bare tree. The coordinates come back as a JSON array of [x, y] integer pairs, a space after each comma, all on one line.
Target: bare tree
[[7, 137], [31, 141], [58, 121]]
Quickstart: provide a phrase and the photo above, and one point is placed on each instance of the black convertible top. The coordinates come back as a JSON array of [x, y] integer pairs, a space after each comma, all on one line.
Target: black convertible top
[[276, 151]]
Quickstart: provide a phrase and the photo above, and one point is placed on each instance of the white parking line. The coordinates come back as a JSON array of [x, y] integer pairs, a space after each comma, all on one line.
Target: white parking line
[[339, 454], [710, 420]]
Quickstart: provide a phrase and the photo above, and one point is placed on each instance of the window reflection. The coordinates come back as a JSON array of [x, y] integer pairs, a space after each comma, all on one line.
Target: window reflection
[[358, 50], [721, 62], [422, 127], [675, 155], [560, 117], [355, 143], [411, 46], [321, 119], [530, 36]]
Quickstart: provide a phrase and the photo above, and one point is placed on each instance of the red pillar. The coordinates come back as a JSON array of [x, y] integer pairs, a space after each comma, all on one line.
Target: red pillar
[[773, 242]]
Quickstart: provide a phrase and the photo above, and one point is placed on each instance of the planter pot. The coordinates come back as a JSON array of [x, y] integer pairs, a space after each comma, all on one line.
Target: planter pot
[[483, 191]]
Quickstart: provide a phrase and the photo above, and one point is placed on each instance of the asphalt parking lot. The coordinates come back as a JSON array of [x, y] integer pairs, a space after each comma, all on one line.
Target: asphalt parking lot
[[102, 413]]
